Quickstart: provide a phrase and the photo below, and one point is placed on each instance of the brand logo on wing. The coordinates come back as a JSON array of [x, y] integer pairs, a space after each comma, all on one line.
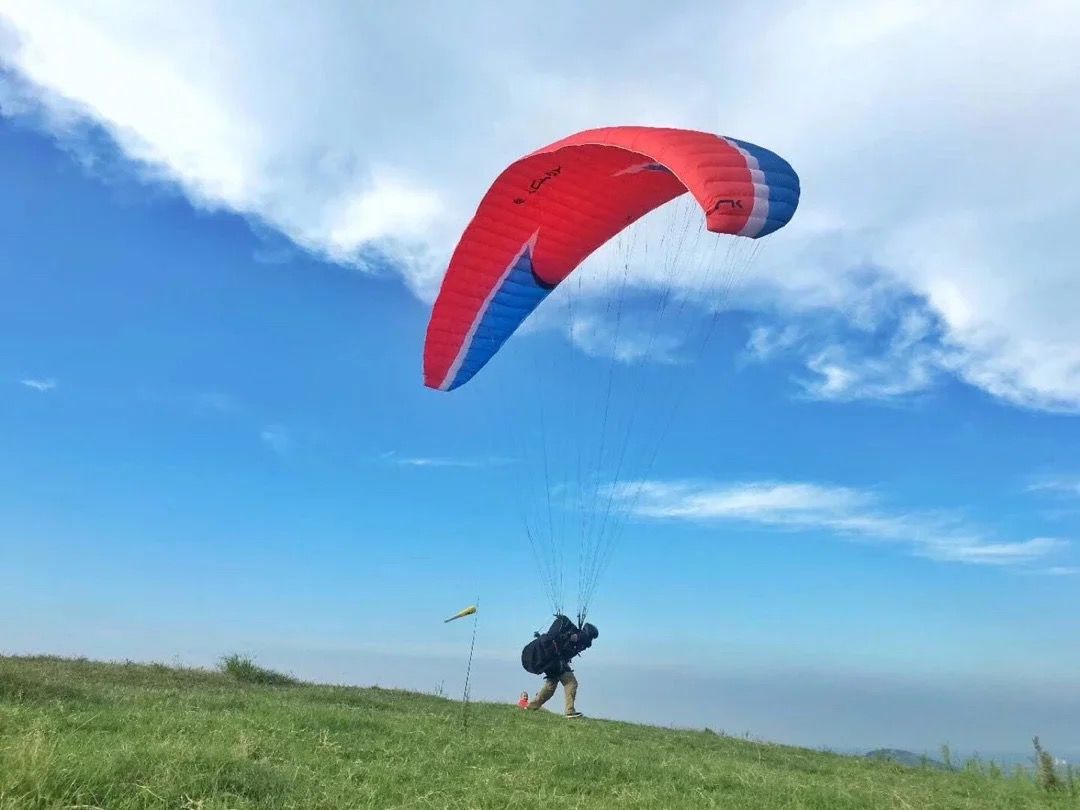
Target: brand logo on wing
[[538, 183], [734, 205]]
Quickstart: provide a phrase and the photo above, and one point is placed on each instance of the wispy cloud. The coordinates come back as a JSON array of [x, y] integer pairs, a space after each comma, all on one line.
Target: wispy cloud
[[277, 438], [627, 343], [392, 457], [1059, 485], [766, 342], [1060, 571], [846, 512], [214, 402], [869, 357], [837, 374], [39, 384]]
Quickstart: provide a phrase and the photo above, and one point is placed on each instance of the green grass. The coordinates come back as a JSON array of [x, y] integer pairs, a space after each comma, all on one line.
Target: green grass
[[244, 669], [80, 734]]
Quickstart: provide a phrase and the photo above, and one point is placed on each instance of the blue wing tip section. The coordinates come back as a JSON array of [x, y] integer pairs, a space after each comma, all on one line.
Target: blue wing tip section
[[783, 182], [520, 292]]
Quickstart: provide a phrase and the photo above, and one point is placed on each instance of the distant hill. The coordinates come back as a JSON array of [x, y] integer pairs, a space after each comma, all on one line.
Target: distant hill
[[909, 758]]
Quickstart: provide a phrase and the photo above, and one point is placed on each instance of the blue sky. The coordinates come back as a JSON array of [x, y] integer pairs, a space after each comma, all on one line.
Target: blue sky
[[860, 528]]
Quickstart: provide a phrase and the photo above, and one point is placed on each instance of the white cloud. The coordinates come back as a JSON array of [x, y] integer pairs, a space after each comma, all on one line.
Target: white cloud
[[929, 151], [1057, 485], [1060, 571], [214, 402], [841, 376], [199, 97], [891, 358], [627, 343], [39, 384], [765, 342], [277, 438], [846, 512], [443, 461]]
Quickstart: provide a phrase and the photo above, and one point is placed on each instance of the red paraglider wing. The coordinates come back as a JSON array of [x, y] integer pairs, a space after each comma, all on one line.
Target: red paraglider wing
[[549, 210]]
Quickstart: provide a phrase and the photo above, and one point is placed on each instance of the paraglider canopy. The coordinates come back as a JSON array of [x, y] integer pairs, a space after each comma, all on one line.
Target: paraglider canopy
[[546, 212]]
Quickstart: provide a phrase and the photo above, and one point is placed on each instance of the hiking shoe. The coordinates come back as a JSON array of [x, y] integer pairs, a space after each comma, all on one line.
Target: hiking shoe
[[572, 715]]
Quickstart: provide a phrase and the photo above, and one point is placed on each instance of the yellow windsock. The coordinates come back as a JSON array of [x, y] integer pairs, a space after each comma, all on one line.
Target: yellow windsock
[[469, 611]]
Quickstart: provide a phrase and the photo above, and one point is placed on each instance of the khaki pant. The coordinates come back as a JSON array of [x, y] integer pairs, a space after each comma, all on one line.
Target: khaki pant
[[569, 683]]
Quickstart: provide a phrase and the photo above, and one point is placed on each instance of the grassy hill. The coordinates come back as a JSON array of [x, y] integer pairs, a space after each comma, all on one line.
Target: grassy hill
[[80, 734]]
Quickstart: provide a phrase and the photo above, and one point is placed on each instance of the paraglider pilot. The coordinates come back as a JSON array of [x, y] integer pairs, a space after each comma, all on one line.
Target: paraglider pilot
[[550, 654]]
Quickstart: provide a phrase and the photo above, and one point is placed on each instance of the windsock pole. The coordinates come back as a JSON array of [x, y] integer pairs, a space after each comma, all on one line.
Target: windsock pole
[[468, 667]]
